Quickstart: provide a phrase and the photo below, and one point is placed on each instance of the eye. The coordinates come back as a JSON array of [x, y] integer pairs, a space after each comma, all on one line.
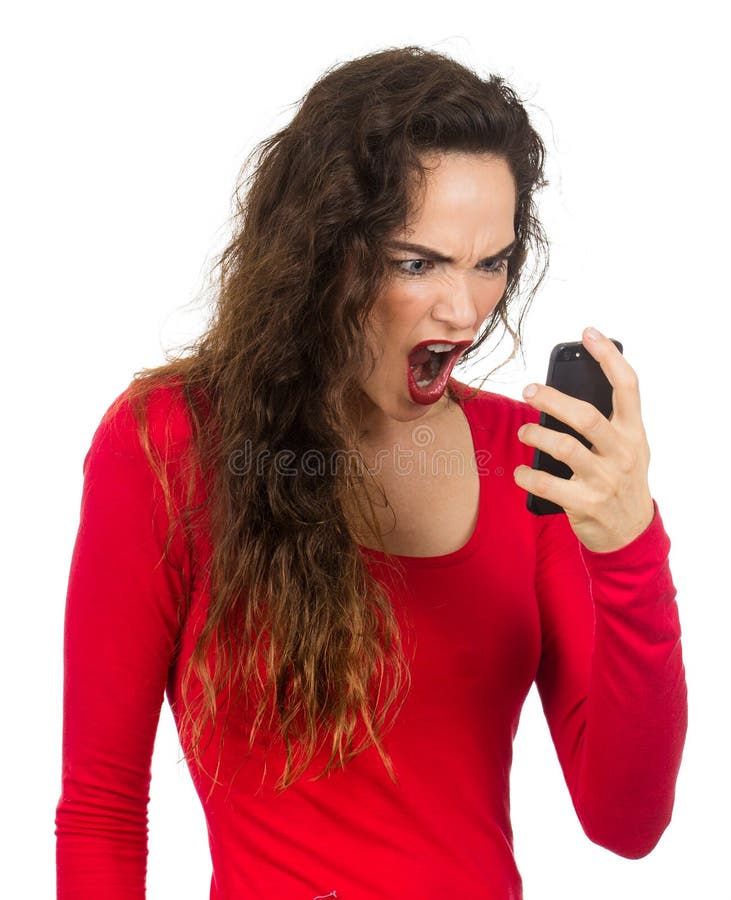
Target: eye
[[491, 267], [498, 266], [403, 262]]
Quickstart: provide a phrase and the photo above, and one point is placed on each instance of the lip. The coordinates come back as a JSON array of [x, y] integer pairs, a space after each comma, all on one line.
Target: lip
[[461, 344]]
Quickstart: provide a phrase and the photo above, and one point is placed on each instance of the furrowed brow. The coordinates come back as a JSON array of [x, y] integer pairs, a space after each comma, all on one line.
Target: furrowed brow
[[435, 256]]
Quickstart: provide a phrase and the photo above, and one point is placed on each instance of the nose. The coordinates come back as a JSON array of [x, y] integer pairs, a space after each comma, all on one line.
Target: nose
[[456, 306]]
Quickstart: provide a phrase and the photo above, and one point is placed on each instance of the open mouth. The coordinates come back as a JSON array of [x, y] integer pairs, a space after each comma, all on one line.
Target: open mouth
[[429, 366], [427, 362]]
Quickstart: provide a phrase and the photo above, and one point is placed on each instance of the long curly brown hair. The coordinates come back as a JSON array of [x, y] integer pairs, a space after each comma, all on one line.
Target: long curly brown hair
[[278, 369]]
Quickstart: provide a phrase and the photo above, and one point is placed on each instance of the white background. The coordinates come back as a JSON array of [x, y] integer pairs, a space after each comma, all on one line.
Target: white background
[[125, 125]]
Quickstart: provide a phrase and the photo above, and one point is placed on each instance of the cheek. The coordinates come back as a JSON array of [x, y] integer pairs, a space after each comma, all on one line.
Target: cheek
[[403, 304], [491, 295], [397, 307]]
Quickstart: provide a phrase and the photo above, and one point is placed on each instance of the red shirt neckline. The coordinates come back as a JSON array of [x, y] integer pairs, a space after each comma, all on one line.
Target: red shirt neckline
[[464, 552]]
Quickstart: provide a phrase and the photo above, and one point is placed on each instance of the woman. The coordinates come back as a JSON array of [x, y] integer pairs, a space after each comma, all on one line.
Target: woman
[[314, 539]]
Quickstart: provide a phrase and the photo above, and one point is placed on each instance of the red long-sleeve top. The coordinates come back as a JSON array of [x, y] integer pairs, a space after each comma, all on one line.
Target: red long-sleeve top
[[522, 601]]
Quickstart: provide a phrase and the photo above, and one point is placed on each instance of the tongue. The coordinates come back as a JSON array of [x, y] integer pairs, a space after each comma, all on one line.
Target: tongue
[[419, 357]]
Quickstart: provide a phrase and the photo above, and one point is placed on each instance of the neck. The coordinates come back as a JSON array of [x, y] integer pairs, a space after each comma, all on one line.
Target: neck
[[378, 429]]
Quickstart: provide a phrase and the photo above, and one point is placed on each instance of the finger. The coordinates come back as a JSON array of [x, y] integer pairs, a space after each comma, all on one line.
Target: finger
[[620, 374], [581, 415], [561, 446], [563, 491]]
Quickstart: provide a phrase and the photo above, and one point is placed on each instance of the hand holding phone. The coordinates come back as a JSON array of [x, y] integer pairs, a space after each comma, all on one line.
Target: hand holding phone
[[572, 370]]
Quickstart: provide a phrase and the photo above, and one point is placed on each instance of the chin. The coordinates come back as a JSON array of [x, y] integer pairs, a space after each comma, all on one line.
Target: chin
[[397, 405]]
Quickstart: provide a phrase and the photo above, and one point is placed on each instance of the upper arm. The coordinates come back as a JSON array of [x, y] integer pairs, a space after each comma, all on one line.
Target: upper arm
[[120, 632], [567, 635]]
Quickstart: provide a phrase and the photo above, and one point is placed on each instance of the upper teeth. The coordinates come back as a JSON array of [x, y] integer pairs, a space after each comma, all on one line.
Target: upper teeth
[[439, 348]]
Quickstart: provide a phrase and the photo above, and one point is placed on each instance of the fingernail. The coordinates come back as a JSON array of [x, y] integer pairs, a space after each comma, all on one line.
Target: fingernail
[[594, 334], [529, 390]]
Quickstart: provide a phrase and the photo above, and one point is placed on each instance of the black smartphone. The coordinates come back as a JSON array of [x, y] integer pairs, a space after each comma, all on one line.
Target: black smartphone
[[571, 370]]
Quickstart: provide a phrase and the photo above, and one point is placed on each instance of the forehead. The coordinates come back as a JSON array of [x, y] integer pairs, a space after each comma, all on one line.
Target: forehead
[[461, 180]]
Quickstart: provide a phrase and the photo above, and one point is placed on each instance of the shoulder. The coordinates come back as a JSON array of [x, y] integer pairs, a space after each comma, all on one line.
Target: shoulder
[[160, 414], [494, 411]]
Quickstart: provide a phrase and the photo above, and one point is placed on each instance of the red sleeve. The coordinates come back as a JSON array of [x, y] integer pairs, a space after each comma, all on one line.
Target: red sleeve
[[611, 680], [119, 636]]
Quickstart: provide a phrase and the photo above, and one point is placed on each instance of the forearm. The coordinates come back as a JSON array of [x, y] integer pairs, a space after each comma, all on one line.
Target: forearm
[[636, 721], [636, 709]]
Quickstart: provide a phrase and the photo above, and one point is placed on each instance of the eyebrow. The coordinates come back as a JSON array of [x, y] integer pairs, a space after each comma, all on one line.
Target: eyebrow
[[436, 256]]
